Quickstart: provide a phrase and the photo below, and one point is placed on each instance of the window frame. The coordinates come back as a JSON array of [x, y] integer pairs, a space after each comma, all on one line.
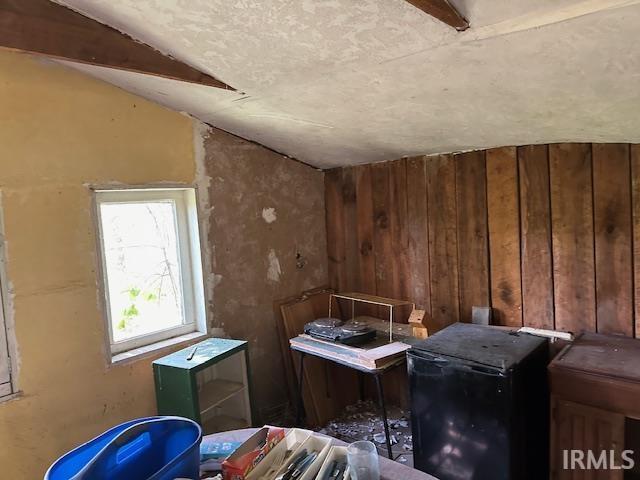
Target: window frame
[[189, 257]]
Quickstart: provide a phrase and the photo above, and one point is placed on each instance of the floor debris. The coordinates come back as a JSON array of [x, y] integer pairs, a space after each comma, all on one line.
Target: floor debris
[[362, 421]]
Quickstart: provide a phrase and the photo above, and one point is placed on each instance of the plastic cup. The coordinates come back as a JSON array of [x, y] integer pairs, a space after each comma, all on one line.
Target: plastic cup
[[363, 461]]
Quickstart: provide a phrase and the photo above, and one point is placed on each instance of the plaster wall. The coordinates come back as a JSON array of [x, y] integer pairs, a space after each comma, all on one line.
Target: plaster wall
[[61, 131], [266, 209]]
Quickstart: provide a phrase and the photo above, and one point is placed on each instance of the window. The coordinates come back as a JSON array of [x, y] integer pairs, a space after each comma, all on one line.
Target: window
[[151, 265]]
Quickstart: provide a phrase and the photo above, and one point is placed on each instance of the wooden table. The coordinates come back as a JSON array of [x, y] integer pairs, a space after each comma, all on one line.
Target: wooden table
[[389, 470], [377, 374]]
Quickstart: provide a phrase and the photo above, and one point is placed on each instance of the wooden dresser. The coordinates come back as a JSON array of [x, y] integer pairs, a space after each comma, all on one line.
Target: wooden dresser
[[595, 402]]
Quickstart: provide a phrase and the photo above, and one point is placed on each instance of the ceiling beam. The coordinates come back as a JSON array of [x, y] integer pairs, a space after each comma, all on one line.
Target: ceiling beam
[[46, 28], [443, 11]]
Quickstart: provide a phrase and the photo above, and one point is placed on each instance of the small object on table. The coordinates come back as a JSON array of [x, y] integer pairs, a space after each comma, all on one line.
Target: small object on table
[[303, 465], [241, 462], [292, 466], [347, 473], [481, 315], [192, 354], [336, 471], [417, 322], [278, 460], [217, 450], [354, 297], [363, 460], [213, 453]]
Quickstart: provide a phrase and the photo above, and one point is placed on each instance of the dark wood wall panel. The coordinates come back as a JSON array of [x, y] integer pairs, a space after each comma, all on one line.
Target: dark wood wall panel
[[546, 235], [399, 228], [334, 208], [417, 214], [473, 251], [635, 195], [350, 215], [613, 242], [504, 235], [572, 235], [386, 280], [364, 231], [535, 234], [443, 250]]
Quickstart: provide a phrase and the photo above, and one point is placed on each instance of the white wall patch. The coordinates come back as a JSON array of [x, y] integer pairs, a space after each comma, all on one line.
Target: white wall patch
[[269, 214], [274, 271]]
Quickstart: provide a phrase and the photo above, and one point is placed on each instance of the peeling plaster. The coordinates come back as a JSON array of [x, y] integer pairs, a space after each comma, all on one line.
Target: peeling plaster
[[269, 214], [203, 182], [255, 259], [274, 271]]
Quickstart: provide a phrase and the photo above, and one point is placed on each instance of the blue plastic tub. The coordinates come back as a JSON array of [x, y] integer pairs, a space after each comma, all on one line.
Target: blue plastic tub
[[153, 448]]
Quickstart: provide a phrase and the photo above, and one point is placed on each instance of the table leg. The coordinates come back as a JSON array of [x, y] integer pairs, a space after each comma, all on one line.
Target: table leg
[[300, 412], [361, 385], [383, 407]]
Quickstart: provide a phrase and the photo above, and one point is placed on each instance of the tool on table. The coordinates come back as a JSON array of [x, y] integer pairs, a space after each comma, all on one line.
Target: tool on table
[[292, 466], [278, 460], [335, 471], [192, 354], [303, 465], [347, 473]]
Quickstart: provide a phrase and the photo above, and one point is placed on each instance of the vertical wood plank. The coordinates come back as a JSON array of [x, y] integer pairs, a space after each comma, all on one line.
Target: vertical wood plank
[[504, 235], [350, 230], [399, 231], [572, 235], [535, 231], [418, 232], [613, 238], [635, 193], [335, 228], [364, 230], [471, 218], [443, 255], [382, 230]]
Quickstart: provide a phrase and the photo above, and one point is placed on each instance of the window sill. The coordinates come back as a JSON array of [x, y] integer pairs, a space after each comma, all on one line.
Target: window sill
[[11, 396], [156, 348]]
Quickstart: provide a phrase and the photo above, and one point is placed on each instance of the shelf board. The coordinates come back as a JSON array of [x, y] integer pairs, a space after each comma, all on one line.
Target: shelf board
[[374, 299], [223, 423], [217, 391]]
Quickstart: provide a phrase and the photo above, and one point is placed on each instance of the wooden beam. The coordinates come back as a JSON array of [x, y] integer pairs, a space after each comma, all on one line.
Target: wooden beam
[[443, 11], [46, 28]]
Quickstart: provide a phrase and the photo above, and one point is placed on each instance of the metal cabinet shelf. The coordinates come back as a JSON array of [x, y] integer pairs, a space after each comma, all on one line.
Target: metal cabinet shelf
[[207, 382]]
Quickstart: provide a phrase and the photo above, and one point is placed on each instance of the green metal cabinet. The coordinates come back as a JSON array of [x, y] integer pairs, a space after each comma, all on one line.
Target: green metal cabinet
[[207, 382]]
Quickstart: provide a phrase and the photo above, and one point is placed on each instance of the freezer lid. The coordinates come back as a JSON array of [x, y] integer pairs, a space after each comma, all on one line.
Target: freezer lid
[[481, 344]]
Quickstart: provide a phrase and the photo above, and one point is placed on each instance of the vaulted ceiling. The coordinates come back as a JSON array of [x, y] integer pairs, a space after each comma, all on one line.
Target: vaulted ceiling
[[339, 82]]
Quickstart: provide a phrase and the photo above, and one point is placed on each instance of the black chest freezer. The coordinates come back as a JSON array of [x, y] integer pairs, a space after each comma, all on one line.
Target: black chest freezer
[[480, 404]]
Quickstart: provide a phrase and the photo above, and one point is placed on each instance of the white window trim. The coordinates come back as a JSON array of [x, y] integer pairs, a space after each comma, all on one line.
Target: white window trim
[[191, 275]]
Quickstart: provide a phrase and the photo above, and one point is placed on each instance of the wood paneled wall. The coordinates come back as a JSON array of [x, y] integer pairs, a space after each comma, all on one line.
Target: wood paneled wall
[[547, 235]]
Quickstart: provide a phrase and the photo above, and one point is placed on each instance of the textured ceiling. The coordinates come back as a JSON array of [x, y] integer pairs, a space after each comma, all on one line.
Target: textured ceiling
[[339, 82]]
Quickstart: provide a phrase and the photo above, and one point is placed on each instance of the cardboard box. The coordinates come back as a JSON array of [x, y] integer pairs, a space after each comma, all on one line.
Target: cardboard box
[[241, 462]]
